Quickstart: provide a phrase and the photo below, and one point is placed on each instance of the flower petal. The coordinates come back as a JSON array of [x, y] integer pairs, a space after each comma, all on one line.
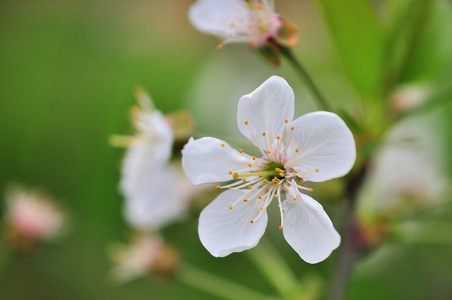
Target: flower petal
[[224, 231], [324, 142], [265, 110], [308, 229], [218, 17], [210, 160], [160, 197]]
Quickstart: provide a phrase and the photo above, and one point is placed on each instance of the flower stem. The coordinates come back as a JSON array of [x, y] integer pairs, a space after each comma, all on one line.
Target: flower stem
[[321, 101], [351, 244], [217, 286], [274, 267]]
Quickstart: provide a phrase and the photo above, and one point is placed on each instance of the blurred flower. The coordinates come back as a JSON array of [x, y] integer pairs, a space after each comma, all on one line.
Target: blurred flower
[[408, 97], [147, 253], [237, 21], [156, 192], [31, 217], [315, 147]]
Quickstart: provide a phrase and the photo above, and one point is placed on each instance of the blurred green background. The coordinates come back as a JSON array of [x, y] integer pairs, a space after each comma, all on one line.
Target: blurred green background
[[67, 73]]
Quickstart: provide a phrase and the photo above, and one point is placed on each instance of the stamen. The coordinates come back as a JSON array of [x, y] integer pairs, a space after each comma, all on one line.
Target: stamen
[[218, 187], [230, 172], [250, 187], [254, 157], [286, 121], [222, 145], [296, 150], [240, 150], [246, 122], [230, 207], [249, 165]]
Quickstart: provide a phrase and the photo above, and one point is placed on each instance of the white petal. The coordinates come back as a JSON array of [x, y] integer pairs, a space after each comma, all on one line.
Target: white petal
[[325, 143], [206, 160], [218, 17], [160, 197], [308, 229], [266, 110], [141, 160], [224, 231]]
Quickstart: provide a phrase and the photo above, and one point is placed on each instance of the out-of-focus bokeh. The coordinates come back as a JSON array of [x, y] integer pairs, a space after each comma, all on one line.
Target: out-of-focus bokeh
[[67, 72]]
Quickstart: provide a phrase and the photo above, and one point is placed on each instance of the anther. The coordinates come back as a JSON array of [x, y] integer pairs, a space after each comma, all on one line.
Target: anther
[[222, 145], [230, 172], [292, 128], [250, 187], [280, 228], [278, 137], [230, 207], [277, 169], [262, 208], [265, 180], [276, 196], [294, 173], [311, 190], [295, 198], [244, 179], [254, 157], [235, 176], [277, 184], [286, 121], [229, 187], [296, 150], [281, 174], [260, 197], [249, 165], [218, 187], [240, 150], [261, 26], [273, 180], [251, 221], [219, 47], [244, 200], [316, 170], [268, 151], [263, 133], [246, 122]]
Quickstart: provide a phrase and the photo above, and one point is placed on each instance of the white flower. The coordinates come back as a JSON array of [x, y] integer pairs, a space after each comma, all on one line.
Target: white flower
[[315, 147], [33, 216], [155, 191], [251, 21]]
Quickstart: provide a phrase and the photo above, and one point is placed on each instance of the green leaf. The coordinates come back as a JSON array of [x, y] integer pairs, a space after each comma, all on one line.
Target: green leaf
[[357, 35]]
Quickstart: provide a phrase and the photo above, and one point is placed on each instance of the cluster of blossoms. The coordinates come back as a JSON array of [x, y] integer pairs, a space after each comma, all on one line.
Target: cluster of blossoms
[[31, 218], [315, 147], [156, 191], [245, 21]]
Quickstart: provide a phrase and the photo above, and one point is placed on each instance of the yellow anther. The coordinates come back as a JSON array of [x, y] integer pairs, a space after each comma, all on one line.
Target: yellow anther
[[277, 169], [219, 47], [249, 165], [263, 133], [229, 187], [230, 207], [235, 176], [246, 122], [265, 180], [244, 179], [316, 170], [296, 150], [250, 187], [262, 208], [277, 184], [221, 39], [276, 196], [261, 26], [260, 176], [295, 198], [244, 200], [292, 128], [278, 137], [218, 187], [240, 150], [260, 7], [281, 174], [254, 157], [222, 145], [286, 121], [280, 228], [251, 221], [259, 197], [294, 173], [268, 152], [273, 180], [230, 172], [311, 190]]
